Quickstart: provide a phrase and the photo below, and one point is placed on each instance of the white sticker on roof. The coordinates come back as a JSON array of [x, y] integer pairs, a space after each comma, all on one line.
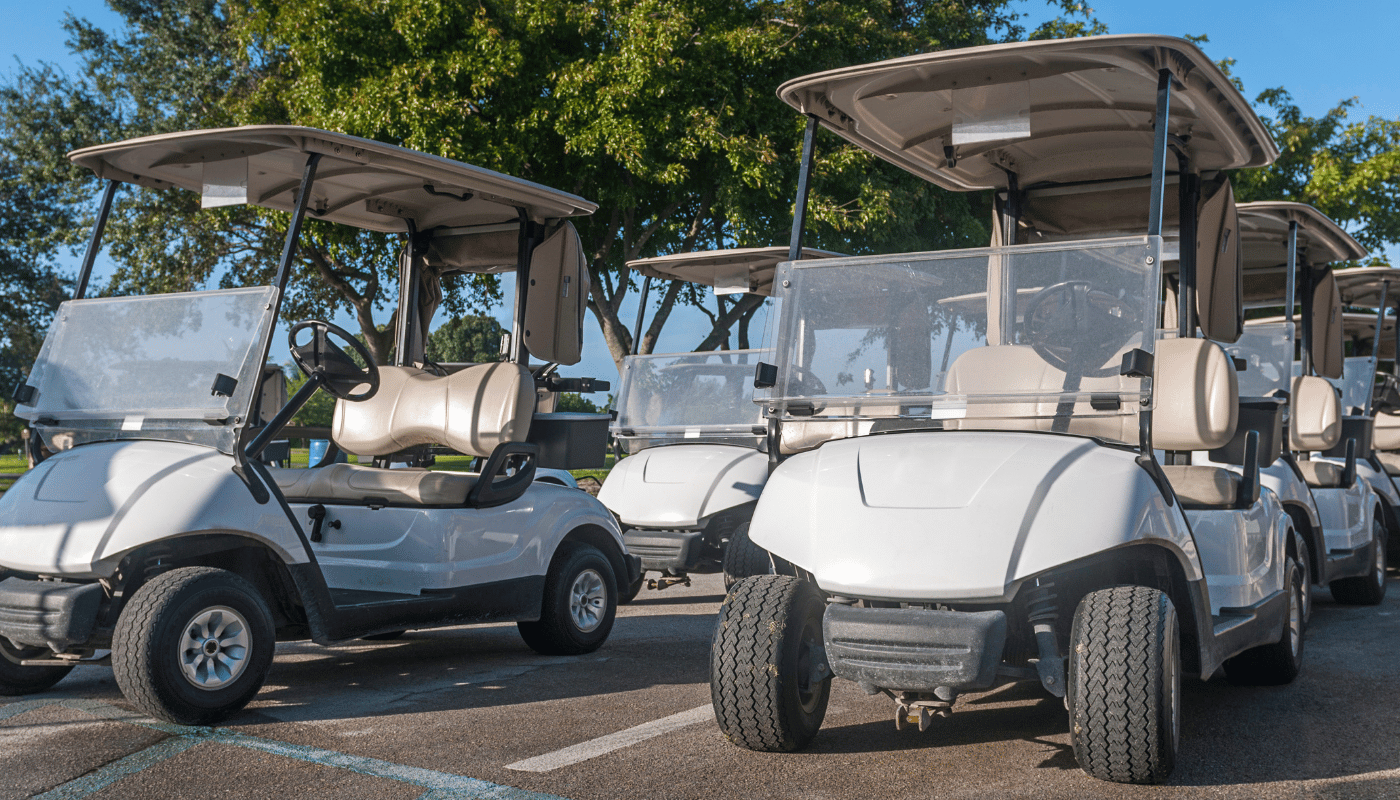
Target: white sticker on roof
[[990, 113]]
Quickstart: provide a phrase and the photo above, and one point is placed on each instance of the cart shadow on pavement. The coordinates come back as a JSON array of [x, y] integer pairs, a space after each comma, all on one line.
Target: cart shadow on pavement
[[652, 597]]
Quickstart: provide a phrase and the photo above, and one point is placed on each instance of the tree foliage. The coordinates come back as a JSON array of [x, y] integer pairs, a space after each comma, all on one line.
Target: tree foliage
[[474, 339]]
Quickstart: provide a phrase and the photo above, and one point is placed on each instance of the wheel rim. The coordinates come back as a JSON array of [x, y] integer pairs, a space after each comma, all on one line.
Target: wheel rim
[[214, 648], [588, 600], [1380, 558]]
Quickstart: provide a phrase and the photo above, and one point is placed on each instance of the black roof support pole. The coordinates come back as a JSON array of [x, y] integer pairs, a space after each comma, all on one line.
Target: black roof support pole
[[1291, 262], [1159, 152], [409, 279], [1308, 287], [289, 248], [641, 313], [518, 352], [103, 211], [1189, 196], [804, 187], [1376, 345]]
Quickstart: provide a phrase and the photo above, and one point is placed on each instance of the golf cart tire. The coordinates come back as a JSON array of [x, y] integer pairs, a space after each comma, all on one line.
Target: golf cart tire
[[556, 633], [16, 679], [1368, 589], [146, 645], [1274, 664], [743, 558], [754, 664], [1124, 685]]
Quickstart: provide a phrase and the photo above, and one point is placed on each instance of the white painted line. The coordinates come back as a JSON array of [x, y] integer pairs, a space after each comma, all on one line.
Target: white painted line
[[613, 741]]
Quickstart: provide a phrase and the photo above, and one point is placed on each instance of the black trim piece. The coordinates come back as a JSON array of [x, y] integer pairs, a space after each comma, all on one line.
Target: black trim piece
[[1252, 626], [109, 191], [488, 492]]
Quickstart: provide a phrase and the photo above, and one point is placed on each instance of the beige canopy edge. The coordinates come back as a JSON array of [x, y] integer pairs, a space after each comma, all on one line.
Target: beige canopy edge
[[359, 182], [741, 269], [1062, 110]]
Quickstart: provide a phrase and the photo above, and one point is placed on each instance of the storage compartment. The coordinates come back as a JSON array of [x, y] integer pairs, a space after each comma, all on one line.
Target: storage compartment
[[570, 439], [1262, 414], [1358, 428]]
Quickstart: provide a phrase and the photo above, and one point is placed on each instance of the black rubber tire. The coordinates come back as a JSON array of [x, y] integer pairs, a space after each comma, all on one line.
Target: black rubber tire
[[556, 633], [760, 675], [629, 593], [145, 645], [1304, 564], [1280, 662], [387, 636], [1125, 685], [16, 679], [743, 558], [1368, 589]]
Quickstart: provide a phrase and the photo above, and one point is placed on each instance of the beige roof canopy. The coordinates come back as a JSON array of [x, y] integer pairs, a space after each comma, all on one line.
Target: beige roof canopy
[[1356, 327], [1362, 287], [1051, 111], [1264, 235], [742, 269], [362, 183]]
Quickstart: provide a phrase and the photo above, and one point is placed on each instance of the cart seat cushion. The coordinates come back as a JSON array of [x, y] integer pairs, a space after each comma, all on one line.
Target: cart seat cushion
[[351, 483], [471, 411], [1203, 486], [1386, 435], [1321, 474], [1316, 417], [1391, 462]]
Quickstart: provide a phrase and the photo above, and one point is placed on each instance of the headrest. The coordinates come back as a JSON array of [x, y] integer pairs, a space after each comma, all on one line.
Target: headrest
[[1315, 415], [1325, 307], [471, 411], [1196, 395], [1220, 267]]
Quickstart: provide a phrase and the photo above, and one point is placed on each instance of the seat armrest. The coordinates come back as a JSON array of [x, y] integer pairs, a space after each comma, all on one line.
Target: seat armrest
[[1249, 480], [490, 492]]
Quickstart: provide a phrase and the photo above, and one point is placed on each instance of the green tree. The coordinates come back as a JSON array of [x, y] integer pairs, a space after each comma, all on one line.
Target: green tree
[[474, 339], [573, 401]]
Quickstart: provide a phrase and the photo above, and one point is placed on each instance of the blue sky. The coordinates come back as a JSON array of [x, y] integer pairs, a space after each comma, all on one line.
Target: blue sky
[[1322, 53]]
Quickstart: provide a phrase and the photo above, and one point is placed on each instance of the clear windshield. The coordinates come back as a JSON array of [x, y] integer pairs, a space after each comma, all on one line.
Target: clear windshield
[[1355, 383], [1267, 350], [690, 396], [173, 366], [1032, 331]]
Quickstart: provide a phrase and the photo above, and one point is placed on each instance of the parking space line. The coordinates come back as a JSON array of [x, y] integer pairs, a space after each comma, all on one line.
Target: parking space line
[[613, 741], [111, 773], [440, 785]]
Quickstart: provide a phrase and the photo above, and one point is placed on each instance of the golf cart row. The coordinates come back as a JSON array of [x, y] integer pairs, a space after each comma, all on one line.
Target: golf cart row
[[1065, 458]]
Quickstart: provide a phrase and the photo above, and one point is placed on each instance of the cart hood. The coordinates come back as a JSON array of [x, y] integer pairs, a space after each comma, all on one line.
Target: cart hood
[[76, 513], [676, 486], [957, 515]]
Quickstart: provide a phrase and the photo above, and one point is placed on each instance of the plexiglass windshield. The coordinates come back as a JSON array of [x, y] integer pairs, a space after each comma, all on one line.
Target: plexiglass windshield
[[1032, 331], [173, 366], [690, 396], [1267, 350], [1355, 383]]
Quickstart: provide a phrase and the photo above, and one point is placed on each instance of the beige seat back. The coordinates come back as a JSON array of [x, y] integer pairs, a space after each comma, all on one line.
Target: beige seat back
[[1013, 369], [471, 411], [1196, 395], [1387, 432], [1315, 415]]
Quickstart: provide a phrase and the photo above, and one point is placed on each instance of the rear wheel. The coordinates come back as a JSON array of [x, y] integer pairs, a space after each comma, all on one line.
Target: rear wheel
[[743, 558], [1125, 685], [580, 603], [630, 592], [1368, 589], [16, 679], [193, 646], [768, 679], [1278, 663]]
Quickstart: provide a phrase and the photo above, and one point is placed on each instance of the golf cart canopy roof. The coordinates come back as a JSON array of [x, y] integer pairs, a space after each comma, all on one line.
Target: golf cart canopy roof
[[362, 183], [1264, 236], [1362, 287], [743, 269], [1070, 110]]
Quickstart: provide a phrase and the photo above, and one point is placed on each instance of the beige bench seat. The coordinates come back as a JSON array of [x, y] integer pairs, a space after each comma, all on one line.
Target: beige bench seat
[[1321, 474], [1391, 462], [1200, 485], [351, 483]]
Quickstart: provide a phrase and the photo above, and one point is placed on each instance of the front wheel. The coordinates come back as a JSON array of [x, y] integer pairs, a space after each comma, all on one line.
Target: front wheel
[[193, 646], [769, 680], [1368, 589], [580, 603], [17, 679], [1279, 662], [743, 558], [1125, 685]]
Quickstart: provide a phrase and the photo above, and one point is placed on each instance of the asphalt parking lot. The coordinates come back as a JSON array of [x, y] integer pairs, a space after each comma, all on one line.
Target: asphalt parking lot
[[471, 712]]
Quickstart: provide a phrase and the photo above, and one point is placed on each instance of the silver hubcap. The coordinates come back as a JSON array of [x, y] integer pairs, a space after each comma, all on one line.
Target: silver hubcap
[[214, 648], [588, 600]]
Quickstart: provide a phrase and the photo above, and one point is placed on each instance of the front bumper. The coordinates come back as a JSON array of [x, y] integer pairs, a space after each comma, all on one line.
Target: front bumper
[[48, 614], [660, 550], [917, 650]]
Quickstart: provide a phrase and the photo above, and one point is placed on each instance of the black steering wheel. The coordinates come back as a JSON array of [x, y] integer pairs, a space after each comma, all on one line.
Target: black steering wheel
[[338, 372], [1076, 327]]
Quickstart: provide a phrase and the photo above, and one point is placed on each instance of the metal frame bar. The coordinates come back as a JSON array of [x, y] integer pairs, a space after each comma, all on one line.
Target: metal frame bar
[[1188, 197], [1159, 152], [289, 247], [408, 297], [1376, 348], [104, 210], [518, 352], [641, 313], [1291, 290], [804, 187], [1306, 355]]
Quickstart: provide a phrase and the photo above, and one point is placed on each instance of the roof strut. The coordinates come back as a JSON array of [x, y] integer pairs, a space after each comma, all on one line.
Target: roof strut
[[1291, 291], [804, 185], [1376, 344], [641, 312], [95, 242], [289, 248]]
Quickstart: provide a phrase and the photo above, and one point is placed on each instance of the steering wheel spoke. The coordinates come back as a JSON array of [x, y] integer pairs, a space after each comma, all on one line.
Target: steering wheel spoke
[[323, 359]]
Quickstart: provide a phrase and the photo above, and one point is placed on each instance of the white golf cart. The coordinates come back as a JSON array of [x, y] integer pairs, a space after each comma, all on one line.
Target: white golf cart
[[685, 506], [1335, 512], [155, 531], [1007, 517]]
